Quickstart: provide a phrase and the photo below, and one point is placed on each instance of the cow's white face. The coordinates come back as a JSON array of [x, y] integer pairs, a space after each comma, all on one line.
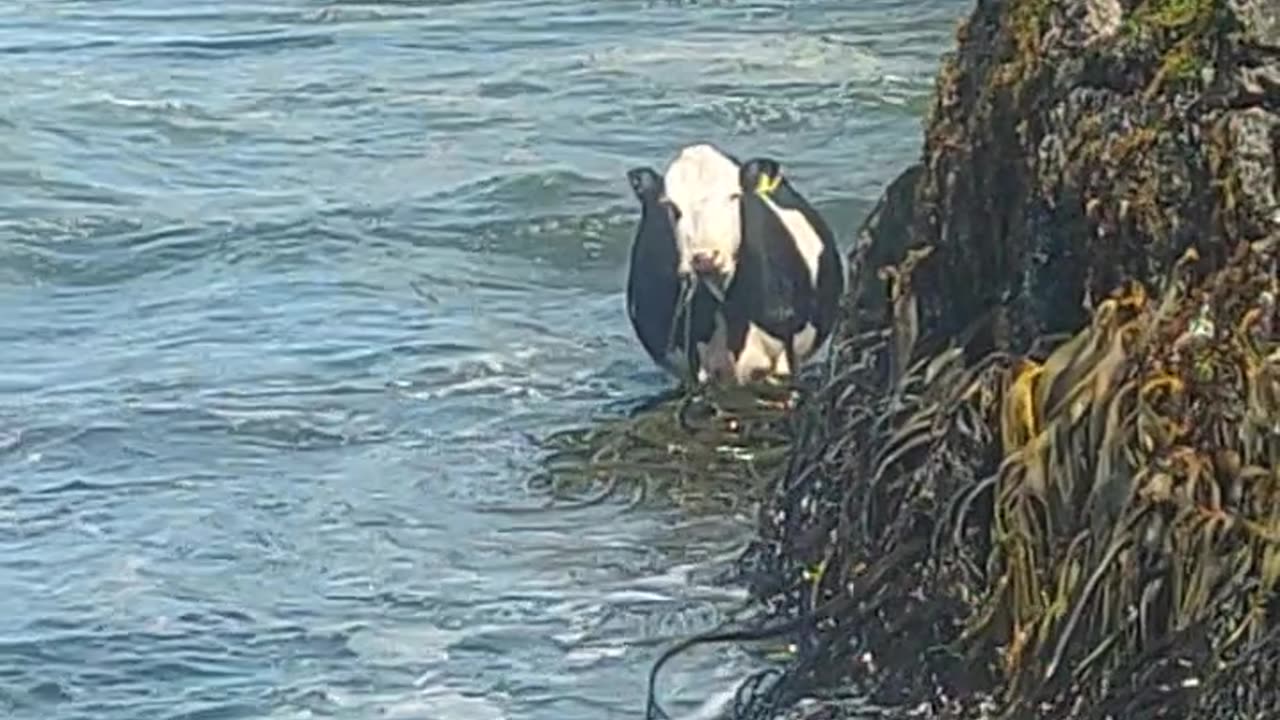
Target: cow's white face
[[704, 189]]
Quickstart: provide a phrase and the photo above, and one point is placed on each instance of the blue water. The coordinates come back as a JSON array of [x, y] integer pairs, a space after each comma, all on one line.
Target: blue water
[[284, 287]]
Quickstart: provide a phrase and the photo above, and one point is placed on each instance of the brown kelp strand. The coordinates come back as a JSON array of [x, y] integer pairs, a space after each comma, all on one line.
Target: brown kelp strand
[[1092, 531]]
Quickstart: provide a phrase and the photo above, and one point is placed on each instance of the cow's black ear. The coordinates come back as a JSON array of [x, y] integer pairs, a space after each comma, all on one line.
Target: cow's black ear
[[645, 182], [760, 175]]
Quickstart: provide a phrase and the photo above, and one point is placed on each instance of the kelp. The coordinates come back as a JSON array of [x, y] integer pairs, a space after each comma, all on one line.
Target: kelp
[[1085, 532], [704, 449]]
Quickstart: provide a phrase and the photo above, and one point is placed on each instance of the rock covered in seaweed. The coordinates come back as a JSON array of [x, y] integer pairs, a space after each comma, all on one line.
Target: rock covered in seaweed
[[1044, 471]]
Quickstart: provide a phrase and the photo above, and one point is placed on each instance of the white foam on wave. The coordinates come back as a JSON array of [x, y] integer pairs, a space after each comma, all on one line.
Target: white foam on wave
[[435, 703], [161, 105], [585, 656], [404, 645], [442, 703], [714, 706]]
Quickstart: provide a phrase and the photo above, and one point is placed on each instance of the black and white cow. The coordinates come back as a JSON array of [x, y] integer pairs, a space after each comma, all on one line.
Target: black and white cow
[[733, 277]]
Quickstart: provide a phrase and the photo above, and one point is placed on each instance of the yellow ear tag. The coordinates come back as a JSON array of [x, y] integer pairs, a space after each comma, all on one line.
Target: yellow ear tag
[[767, 184]]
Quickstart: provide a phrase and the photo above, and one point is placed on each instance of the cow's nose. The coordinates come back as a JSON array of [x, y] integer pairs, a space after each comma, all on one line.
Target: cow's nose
[[706, 262]]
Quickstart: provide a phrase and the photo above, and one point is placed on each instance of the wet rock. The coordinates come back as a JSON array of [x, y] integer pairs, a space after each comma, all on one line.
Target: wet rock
[[1074, 144]]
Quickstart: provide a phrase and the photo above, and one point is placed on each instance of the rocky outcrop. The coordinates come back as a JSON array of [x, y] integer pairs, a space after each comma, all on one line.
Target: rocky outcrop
[[1043, 474], [1074, 143]]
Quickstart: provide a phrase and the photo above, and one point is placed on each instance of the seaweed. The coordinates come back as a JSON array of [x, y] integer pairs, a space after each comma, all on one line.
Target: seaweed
[[1027, 531], [705, 449]]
